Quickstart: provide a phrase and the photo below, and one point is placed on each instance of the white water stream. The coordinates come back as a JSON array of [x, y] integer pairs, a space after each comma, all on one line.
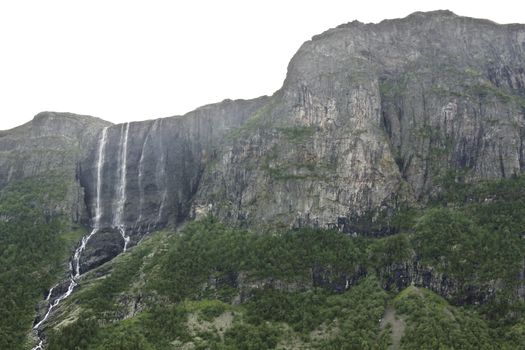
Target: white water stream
[[74, 266], [118, 220]]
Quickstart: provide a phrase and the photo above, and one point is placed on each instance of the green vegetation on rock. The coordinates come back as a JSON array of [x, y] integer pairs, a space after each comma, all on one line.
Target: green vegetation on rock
[[433, 324], [220, 287]]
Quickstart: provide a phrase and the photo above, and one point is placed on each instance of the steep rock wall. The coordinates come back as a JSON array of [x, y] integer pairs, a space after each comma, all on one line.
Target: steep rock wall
[[371, 115], [51, 145], [163, 161]]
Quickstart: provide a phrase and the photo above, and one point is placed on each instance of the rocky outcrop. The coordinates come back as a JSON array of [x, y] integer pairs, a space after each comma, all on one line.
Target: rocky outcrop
[[102, 247]]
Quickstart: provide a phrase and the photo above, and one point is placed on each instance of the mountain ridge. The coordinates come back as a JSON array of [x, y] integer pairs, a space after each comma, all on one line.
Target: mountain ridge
[[397, 77], [397, 145]]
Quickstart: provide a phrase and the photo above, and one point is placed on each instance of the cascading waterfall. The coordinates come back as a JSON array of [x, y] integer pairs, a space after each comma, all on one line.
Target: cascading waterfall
[[74, 266], [98, 206], [121, 202], [50, 293], [100, 166], [118, 221], [72, 285]]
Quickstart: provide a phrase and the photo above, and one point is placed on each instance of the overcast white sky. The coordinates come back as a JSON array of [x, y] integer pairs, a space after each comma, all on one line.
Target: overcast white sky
[[135, 60]]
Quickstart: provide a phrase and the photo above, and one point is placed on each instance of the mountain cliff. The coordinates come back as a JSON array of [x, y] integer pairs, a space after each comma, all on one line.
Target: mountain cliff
[[374, 125], [373, 114], [369, 116]]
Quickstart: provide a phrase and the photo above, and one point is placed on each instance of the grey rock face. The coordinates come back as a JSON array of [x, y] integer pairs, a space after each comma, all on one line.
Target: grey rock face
[[161, 163], [50, 141], [50, 145], [103, 246], [371, 114], [457, 100], [165, 160]]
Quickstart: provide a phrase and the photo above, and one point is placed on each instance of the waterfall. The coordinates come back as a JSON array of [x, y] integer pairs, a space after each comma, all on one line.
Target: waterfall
[[161, 175], [39, 346], [121, 192], [100, 166], [101, 159], [72, 284], [118, 218], [50, 293], [78, 252], [141, 175], [74, 266]]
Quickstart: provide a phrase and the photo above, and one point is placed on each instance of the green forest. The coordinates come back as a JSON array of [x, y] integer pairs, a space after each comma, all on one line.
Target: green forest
[[35, 245], [213, 286]]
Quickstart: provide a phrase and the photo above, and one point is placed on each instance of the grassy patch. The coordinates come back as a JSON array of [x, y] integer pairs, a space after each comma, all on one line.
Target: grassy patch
[[297, 133]]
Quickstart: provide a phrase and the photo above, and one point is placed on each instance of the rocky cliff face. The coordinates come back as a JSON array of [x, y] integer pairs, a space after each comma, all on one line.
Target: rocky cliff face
[[369, 116], [161, 162], [50, 145], [374, 114], [149, 171]]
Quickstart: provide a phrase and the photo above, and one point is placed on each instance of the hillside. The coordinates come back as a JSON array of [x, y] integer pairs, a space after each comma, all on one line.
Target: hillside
[[375, 201]]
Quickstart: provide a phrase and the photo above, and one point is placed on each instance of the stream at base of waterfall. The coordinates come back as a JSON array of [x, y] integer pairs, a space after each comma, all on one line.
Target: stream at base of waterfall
[[74, 265], [118, 222]]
